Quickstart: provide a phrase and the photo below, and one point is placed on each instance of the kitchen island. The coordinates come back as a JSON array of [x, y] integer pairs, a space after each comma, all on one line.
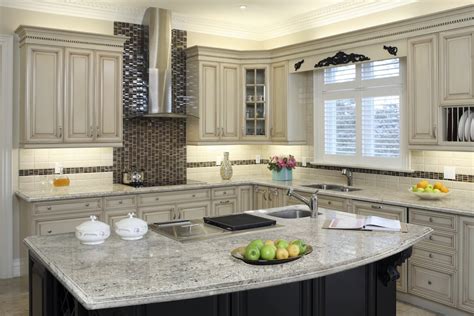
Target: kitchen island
[[348, 273]]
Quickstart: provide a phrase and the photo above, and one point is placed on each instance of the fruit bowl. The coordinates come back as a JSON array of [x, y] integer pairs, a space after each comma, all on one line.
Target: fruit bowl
[[236, 253], [430, 195]]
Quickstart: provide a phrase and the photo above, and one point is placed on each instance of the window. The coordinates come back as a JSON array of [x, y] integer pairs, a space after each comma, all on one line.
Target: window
[[359, 115]]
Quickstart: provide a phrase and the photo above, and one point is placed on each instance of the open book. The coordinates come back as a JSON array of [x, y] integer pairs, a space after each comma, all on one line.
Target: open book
[[368, 223]]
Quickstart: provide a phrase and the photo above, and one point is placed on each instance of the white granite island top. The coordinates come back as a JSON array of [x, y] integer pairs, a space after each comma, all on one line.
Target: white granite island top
[[157, 269]]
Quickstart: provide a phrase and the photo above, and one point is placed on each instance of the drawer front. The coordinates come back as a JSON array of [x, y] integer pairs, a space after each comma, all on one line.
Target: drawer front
[[222, 193], [434, 284], [332, 203], [173, 197], [440, 238], [158, 214], [67, 206], [224, 207], [442, 258], [60, 226], [433, 219], [117, 202], [381, 210], [194, 210]]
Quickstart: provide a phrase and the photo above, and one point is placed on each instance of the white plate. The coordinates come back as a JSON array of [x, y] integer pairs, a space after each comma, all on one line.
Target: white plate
[[467, 128], [430, 196], [461, 123], [472, 129]]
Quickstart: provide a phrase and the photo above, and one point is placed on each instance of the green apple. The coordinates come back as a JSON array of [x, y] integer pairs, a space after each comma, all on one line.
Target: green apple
[[429, 187], [268, 252], [282, 244], [252, 253], [257, 243], [436, 191], [420, 190], [414, 188], [301, 245], [428, 190]]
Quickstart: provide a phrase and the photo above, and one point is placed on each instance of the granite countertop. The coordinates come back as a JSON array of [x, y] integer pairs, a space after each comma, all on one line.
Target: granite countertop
[[454, 203], [157, 269]]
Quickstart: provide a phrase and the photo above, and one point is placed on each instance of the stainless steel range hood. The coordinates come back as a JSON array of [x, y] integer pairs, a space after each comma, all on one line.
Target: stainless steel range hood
[[159, 80]]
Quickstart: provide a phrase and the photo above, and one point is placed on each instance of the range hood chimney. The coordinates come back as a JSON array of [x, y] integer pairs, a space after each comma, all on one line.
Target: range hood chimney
[[159, 73]]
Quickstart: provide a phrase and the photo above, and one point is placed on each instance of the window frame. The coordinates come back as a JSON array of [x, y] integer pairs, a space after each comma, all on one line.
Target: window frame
[[357, 90]]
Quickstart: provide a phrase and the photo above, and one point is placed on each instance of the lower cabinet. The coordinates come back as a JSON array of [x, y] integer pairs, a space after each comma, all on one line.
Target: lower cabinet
[[466, 267], [334, 203], [193, 210], [390, 212], [245, 198], [157, 214], [224, 207], [267, 197]]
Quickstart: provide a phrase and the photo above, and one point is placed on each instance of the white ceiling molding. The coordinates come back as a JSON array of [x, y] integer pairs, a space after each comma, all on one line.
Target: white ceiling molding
[[133, 13]]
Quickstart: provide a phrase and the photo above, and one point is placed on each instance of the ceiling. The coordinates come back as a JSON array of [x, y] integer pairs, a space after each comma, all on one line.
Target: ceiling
[[261, 20]]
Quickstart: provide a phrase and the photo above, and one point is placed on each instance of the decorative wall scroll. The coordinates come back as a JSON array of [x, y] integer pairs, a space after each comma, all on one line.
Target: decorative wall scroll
[[298, 64], [341, 58], [392, 50]]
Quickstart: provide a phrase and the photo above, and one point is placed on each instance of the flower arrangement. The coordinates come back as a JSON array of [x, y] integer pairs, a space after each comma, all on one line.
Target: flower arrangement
[[278, 163]]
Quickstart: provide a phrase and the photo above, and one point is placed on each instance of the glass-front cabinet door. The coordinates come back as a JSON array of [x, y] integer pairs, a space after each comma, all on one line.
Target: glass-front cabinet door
[[255, 122]]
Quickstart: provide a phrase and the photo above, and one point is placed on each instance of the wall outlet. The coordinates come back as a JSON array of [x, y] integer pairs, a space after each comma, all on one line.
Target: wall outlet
[[303, 162], [218, 160], [449, 172], [257, 159]]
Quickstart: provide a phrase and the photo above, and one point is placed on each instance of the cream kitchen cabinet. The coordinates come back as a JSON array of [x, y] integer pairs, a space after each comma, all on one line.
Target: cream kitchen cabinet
[[71, 88], [456, 66], [422, 87], [390, 212], [216, 96], [193, 210], [466, 259], [245, 202], [224, 207], [287, 105], [158, 213], [267, 197]]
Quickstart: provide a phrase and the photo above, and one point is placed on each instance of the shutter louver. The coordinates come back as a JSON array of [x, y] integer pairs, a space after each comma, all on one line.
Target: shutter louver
[[340, 127]]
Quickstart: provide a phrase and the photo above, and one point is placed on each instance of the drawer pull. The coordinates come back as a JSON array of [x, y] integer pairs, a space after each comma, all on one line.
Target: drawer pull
[[157, 199], [225, 192], [225, 202], [120, 202], [194, 195], [329, 202], [429, 282], [377, 207], [431, 238], [49, 208], [50, 231], [87, 204], [430, 255], [431, 220]]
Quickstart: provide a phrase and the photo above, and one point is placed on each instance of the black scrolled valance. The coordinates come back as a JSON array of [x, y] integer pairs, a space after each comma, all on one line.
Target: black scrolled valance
[[341, 58]]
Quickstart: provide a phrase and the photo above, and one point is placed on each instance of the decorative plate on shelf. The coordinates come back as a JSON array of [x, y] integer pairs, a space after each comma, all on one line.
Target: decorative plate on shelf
[[430, 195], [236, 254]]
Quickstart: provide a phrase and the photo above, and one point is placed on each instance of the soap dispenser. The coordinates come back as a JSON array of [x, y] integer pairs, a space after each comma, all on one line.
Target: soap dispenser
[[60, 179]]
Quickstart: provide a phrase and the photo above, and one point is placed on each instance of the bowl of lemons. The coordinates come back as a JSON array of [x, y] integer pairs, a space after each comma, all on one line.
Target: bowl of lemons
[[258, 252], [426, 191]]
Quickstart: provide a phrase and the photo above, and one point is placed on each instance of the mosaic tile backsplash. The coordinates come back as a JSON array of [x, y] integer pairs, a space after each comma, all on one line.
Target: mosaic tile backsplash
[[155, 145]]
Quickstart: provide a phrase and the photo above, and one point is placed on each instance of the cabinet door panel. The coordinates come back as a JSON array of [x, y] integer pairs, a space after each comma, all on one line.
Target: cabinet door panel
[[422, 86], [194, 210], [279, 88], [466, 284], [79, 98], [224, 207], [108, 101], [157, 214], [245, 198], [457, 67], [44, 115], [229, 105], [209, 99]]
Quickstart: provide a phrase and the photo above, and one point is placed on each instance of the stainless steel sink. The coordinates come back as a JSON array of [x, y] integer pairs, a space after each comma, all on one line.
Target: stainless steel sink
[[291, 213], [331, 187]]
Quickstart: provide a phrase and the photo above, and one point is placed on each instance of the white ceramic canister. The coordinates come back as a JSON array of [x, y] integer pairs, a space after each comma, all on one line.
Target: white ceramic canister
[[92, 232], [131, 228]]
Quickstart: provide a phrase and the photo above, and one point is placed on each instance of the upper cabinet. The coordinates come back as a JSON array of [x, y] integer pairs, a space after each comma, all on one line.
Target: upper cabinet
[[422, 72], [457, 67], [232, 100], [71, 91]]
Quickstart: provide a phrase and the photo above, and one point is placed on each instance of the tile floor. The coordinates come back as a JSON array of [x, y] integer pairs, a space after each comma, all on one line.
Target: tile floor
[[14, 300]]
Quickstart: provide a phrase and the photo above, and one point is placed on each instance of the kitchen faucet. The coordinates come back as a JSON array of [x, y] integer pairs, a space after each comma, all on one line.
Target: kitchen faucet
[[312, 203], [348, 173]]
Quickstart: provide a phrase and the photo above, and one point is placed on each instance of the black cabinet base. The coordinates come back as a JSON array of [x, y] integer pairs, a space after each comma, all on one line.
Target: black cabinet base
[[368, 290]]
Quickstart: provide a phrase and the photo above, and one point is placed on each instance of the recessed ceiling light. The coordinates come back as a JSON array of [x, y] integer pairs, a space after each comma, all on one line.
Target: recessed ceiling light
[[243, 7]]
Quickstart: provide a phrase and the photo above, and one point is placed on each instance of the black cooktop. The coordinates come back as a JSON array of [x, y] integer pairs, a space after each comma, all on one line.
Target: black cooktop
[[239, 221]]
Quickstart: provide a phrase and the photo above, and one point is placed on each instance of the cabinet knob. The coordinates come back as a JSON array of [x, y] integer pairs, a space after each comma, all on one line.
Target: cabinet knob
[[430, 255], [194, 195], [225, 192], [429, 282], [87, 204], [157, 199], [431, 238], [430, 219], [120, 202], [49, 208], [50, 231], [329, 202]]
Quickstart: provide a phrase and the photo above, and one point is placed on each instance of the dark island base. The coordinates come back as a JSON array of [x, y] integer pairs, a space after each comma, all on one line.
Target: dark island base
[[367, 290]]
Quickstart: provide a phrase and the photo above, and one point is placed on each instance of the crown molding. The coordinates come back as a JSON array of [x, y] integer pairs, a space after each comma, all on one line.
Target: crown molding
[[133, 14]]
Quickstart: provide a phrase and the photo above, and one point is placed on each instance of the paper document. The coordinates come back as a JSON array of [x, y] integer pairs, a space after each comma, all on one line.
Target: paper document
[[368, 223]]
